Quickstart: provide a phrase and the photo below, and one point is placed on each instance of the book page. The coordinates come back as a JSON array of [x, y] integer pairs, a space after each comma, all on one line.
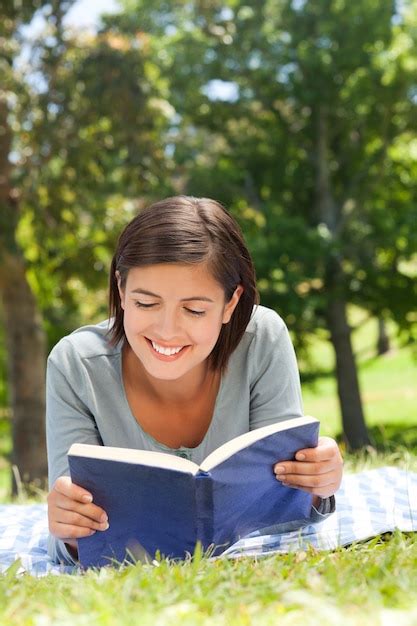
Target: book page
[[136, 457], [244, 441]]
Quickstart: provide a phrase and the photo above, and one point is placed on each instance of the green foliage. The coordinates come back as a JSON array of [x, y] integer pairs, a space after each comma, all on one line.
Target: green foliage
[[15, 14], [88, 153]]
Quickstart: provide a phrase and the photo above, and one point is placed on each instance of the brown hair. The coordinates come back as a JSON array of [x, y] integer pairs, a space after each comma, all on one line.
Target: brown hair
[[183, 229]]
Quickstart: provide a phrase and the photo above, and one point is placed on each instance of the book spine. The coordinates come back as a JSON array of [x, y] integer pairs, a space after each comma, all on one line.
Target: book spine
[[204, 509]]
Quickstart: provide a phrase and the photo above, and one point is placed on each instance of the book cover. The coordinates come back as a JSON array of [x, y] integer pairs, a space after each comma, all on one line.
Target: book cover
[[160, 503]]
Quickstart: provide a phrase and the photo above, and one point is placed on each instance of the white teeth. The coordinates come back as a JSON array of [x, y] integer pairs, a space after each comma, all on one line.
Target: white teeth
[[165, 351]]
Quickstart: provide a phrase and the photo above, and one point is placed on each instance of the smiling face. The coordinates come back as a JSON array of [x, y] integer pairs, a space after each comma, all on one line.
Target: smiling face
[[173, 315]]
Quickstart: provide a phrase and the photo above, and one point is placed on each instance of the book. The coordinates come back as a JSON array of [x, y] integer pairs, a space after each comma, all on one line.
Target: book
[[161, 503]]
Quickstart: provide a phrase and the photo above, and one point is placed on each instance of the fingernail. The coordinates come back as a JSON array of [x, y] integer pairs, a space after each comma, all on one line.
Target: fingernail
[[92, 532], [86, 498], [106, 526], [279, 469], [104, 518], [300, 457]]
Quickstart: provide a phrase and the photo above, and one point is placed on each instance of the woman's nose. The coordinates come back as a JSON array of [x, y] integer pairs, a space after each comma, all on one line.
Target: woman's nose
[[167, 325]]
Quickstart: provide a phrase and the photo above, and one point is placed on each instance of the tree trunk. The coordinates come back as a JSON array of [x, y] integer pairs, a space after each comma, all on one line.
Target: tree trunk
[[382, 346], [328, 213], [25, 343], [24, 335], [353, 420]]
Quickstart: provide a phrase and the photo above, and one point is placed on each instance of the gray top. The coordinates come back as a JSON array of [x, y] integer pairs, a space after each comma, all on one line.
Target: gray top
[[86, 400]]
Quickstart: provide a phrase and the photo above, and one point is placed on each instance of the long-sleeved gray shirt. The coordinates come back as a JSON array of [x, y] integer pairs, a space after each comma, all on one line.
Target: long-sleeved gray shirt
[[86, 400]]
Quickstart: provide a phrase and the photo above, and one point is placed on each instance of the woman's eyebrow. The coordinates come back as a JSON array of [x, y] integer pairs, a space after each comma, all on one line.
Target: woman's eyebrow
[[203, 298], [145, 292]]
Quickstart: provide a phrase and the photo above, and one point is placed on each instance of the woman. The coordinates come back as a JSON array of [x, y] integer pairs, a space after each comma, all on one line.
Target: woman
[[185, 363]]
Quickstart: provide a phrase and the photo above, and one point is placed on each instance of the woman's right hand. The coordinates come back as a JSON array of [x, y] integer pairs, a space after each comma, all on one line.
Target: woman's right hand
[[71, 512]]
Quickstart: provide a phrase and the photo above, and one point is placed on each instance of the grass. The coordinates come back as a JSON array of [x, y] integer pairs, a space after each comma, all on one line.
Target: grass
[[389, 393], [369, 584], [388, 384]]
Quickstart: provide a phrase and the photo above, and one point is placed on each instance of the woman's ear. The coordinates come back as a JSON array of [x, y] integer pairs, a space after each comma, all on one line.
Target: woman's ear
[[120, 289], [232, 304]]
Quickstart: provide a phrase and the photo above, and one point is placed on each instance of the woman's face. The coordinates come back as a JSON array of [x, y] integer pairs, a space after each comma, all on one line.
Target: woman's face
[[173, 315]]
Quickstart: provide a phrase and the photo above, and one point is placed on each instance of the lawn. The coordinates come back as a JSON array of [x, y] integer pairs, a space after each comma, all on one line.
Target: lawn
[[388, 388], [370, 584]]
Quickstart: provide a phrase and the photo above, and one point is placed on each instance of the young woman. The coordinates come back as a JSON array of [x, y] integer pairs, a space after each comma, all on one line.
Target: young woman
[[186, 362]]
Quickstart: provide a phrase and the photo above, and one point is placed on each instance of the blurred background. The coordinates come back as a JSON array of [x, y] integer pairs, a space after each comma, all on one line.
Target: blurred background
[[299, 116]]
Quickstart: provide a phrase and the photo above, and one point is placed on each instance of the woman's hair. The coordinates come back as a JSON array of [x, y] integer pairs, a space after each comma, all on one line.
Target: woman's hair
[[188, 230]]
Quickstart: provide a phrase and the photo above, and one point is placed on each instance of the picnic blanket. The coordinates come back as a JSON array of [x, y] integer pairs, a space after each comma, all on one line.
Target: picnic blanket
[[368, 504]]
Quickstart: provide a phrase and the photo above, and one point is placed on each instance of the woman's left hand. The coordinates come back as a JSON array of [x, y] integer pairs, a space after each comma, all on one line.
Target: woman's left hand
[[316, 470]]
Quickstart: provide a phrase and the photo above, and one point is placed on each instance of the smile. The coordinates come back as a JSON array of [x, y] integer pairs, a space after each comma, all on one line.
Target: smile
[[165, 352]]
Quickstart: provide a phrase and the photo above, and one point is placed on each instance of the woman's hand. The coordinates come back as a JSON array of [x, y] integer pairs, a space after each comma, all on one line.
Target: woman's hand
[[71, 512], [317, 470]]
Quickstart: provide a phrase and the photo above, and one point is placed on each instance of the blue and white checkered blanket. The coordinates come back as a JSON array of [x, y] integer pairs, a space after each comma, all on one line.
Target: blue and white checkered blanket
[[368, 503]]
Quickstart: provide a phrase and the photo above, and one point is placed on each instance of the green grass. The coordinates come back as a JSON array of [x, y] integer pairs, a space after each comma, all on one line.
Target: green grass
[[369, 584], [388, 384], [389, 393]]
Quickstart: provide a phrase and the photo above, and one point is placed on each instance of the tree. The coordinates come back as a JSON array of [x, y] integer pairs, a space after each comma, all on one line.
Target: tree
[[304, 150], [23, 326], [80, 151]]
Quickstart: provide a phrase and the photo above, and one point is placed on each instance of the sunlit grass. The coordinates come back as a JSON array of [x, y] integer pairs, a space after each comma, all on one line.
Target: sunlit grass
[[388, 383], [389, 393], [363, 584]]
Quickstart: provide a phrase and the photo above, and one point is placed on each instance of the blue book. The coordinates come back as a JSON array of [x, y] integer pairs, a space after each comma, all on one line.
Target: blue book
[[161, 503]]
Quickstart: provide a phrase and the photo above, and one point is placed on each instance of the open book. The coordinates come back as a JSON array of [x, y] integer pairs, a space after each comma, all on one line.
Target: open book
[[161, 502]]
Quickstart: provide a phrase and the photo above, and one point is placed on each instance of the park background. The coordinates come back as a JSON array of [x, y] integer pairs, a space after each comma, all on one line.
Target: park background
[[299, 116]]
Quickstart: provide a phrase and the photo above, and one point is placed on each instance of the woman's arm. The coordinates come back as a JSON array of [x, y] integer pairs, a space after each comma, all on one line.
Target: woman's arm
[[68, 418], [71, 513], [275, 392]]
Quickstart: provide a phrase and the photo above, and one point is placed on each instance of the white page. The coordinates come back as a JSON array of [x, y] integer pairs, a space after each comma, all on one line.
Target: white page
[[170, 461], [138, 457], [243, 441]]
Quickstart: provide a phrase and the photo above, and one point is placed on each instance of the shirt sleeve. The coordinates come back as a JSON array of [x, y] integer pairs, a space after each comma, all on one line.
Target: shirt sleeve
[[275, 393], [326, 507], [59, 553], [68, 420]]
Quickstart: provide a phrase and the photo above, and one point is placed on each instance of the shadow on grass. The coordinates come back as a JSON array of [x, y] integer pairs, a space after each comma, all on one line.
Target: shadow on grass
[[388, 438], [313, 374]]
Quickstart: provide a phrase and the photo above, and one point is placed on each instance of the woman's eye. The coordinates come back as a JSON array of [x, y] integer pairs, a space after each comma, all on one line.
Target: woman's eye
[[144, 305], [196, 313], [149, 305]]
